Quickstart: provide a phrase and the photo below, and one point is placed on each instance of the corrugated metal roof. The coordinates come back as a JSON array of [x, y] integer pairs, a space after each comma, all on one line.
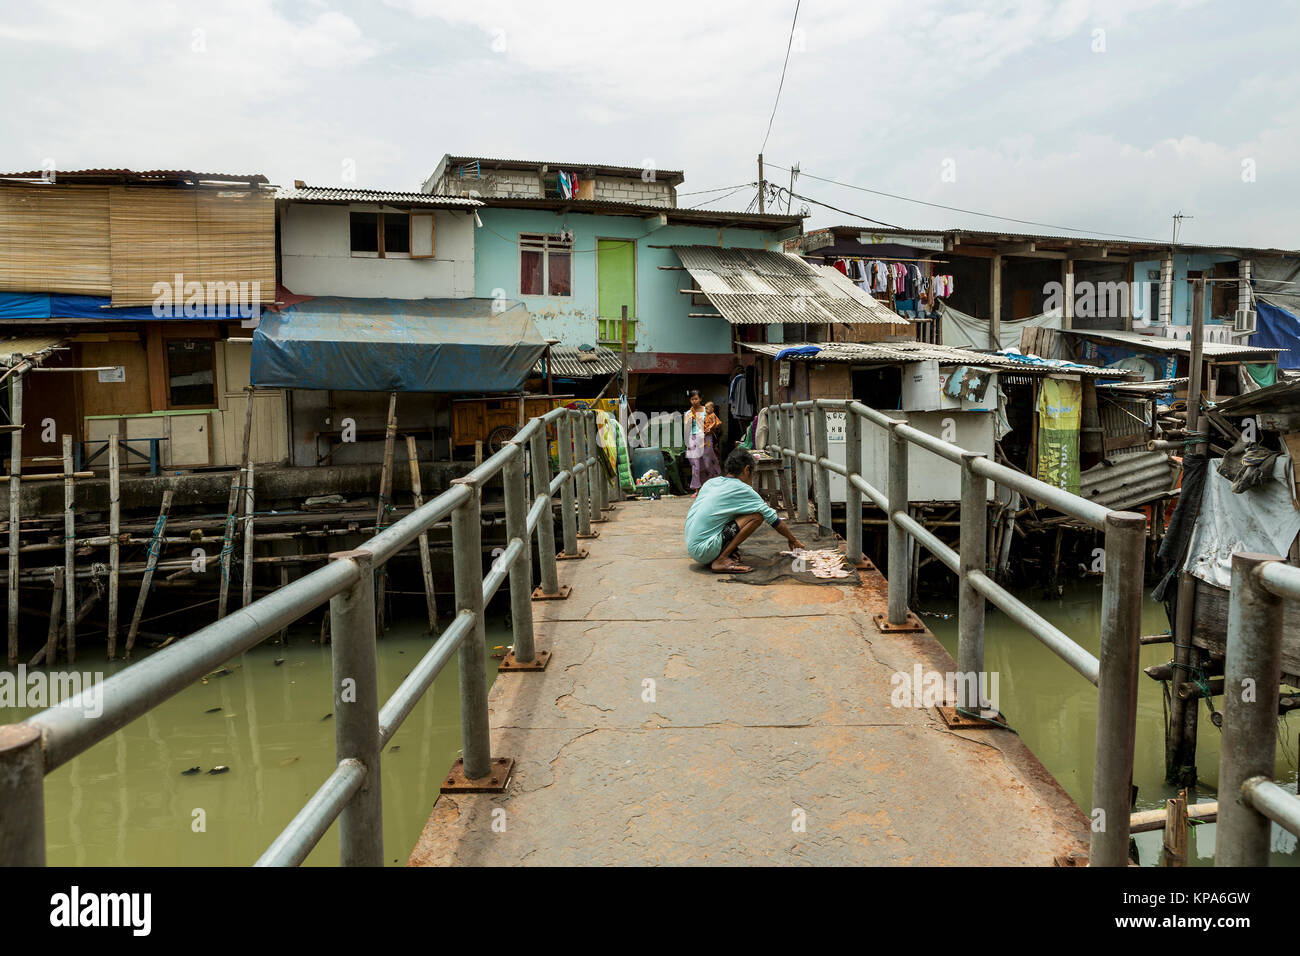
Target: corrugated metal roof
[[1158, 343], [1284, 396], [1129, 480], [887, 353], [568, 361], [1144, 389], [150, 175], [15, 350], [616, 207], [757, 287], [330, 194]]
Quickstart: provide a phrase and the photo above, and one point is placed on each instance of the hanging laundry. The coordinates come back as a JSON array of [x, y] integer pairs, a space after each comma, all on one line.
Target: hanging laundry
[[842, 266]]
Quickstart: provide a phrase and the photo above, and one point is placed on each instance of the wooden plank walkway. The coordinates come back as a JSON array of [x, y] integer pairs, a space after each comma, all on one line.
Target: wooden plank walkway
[[770, 708]]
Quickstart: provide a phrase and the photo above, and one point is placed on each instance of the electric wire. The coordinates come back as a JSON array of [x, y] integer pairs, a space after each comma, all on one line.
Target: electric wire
[[788, 46]]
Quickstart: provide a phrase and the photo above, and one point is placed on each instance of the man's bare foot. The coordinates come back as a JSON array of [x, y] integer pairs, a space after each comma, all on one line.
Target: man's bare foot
[[728, 566]]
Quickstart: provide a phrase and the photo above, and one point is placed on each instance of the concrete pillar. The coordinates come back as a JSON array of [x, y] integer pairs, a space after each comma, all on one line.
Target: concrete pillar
[[1067, 287], [995, 301]]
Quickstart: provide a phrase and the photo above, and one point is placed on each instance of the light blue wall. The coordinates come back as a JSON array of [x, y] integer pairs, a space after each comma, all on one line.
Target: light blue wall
[[1183, 262], [663, 324]]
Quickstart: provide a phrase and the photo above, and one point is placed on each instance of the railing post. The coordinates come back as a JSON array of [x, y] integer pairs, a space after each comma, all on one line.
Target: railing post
[[852, 496], [546, 523], [973, 546], [800, 467], [583, 480], [568, 515], [467, 561], [898, 502], [521, 572], [595, 471], [356, 711], [821, 476], [1121, 631], [22, 796], [1252, 670]]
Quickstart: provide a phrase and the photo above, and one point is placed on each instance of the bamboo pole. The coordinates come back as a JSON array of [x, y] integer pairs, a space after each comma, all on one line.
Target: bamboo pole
[[56, 608], [69, 552], [385, 496], [114, 545], [248, 538], [154, 548], [426, 563], [1175, 838], [228, 540], [15, 495]]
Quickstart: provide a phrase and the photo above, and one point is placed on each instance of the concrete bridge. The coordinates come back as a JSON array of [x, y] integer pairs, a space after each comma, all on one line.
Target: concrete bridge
[[685, 718]]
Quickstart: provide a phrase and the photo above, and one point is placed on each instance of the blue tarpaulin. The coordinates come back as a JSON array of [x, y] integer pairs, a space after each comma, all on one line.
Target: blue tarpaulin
[[404, 345], [1276, 328], [40, 305]]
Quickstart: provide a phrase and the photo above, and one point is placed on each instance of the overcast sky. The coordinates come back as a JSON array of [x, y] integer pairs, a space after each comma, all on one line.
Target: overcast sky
[[1091, 114]]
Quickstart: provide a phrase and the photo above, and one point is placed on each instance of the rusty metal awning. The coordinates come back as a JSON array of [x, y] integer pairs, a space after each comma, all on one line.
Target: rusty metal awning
[[28, 347], [568, 361], [758, 287]]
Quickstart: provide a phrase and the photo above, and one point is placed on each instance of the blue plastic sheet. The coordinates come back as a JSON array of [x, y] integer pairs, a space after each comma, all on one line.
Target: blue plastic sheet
[[1276, 328], [404, 345], [39, 305]]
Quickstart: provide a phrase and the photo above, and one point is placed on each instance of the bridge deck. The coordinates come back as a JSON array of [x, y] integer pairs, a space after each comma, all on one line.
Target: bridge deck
[[768, 700]]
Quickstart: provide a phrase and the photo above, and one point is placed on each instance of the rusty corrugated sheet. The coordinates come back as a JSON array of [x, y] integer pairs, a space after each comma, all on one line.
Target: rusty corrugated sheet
[[570, 362], [1130, 480], [15, 350]]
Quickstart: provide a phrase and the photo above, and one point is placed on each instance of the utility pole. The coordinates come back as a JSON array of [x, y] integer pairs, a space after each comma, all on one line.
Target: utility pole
[[794, 171], [761, 207]]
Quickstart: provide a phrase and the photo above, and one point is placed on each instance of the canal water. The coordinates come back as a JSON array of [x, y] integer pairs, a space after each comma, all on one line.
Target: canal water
[[127, 802], [1055, 710]]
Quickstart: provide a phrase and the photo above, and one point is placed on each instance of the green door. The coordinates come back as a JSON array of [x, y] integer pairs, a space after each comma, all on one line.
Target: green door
[[615, 288]]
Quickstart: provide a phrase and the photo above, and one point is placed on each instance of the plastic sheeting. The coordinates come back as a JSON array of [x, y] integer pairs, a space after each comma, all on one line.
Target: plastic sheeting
[[966, 331], [1262, 520], [1276, 328], [404, 345], [37, 305], [1060, 407]]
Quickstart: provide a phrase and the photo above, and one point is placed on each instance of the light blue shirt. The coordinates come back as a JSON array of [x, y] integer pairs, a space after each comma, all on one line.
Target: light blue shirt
[[720, 500]]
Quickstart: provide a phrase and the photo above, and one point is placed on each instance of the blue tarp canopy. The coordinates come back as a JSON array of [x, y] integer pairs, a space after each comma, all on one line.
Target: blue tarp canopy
[[403, 345], [1276, 328], [39, 305]]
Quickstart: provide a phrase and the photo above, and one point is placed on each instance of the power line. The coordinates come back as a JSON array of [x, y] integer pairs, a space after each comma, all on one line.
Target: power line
[[789, 45], [969, 212], [716, 198], [701, 192], [816, 202]]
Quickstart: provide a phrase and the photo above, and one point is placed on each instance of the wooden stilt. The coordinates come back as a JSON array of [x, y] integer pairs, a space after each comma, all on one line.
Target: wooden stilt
[[155, 548], [56, 608], [248, 537], [15, 497], [228, 540], [69, 552], [114, 532], [385, 499], [426, 562], [1175, 837]]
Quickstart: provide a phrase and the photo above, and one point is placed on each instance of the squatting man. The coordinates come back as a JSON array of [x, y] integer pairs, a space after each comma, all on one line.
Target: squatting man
[[726, 511]]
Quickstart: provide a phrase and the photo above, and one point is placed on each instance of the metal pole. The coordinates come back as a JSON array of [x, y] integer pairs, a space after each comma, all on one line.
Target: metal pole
[[583, 481], [356, 711], [22, 796], [821, 476], [15, 497], [852, 496], [568, 518], [546, 523], [1121, 633], [1252, 670], [898, 564], [800, 467], [467, 557], [970, 603], [69, 555], [595, 471], [521, 572]]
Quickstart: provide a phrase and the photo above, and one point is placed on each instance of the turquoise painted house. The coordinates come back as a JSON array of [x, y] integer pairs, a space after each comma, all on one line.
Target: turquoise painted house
[[576, 243]]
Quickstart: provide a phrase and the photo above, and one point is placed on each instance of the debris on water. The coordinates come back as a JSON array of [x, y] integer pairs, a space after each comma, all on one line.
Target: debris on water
[[212, 710], [191, 772], [279, 661], [219, 768], [223, 672], [395, 748], [498, 652], [288, 761], [328, 716], [166, 642]]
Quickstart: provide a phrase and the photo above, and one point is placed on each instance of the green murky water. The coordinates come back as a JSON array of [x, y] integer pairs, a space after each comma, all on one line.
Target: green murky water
[[125, 802], [1055, 710]]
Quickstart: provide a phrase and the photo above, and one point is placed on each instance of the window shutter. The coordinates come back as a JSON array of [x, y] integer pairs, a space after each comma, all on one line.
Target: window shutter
[[422, 235]]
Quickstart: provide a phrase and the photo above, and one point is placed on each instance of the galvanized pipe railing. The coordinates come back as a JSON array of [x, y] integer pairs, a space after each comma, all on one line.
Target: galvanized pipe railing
[[1115, 674], [1249, 800], [351, 793]]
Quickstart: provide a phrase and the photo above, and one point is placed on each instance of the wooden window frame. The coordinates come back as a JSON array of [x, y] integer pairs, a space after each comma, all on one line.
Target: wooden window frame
[[165, 340], [382, 253], [545, 243]]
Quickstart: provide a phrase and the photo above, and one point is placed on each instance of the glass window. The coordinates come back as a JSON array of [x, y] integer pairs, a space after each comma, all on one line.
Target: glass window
[[397, 234], [190, 373], [545, 264]]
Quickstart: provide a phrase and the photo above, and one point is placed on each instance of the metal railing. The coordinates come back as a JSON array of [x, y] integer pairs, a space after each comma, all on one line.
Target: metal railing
[[351, 793], [1248, 797], [1115, 675]]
